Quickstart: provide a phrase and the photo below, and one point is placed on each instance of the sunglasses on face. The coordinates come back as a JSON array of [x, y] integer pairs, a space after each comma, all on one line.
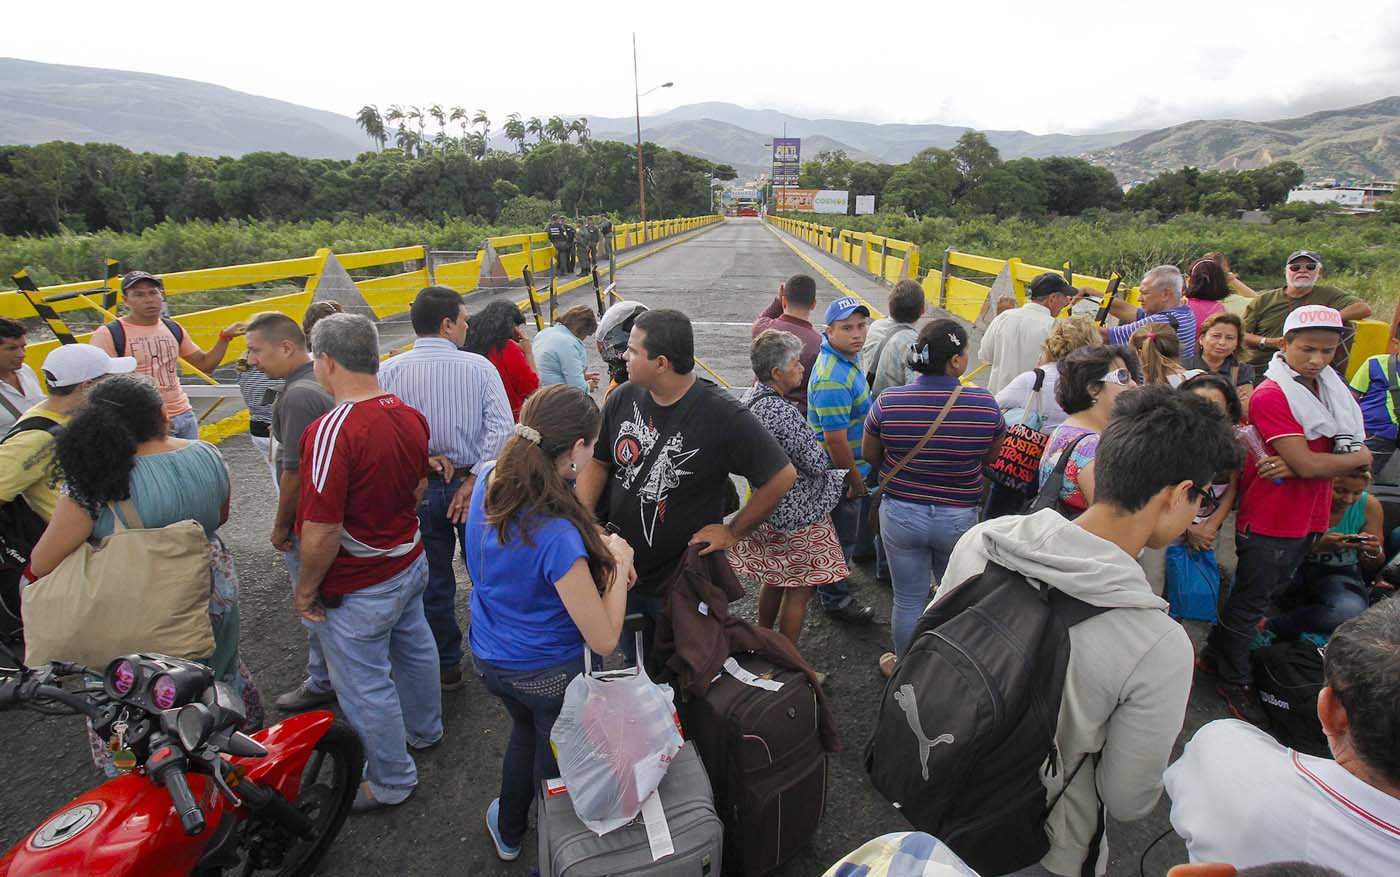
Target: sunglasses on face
[[1302, 266], [1120, 376], [1207, 498]]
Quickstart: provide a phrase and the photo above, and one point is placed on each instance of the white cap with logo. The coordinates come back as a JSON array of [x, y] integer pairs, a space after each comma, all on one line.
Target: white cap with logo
[[70, 364], [1314, 317]]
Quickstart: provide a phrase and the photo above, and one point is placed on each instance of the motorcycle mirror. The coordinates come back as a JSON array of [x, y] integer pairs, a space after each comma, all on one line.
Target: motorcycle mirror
[[242, 745], [193, 724]]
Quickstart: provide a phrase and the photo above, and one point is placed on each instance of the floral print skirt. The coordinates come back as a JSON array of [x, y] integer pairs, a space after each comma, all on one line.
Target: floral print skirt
[[801, 558]]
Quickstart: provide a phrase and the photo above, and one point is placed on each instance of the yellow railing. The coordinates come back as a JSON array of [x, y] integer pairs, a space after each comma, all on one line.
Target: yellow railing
[[887, 258], [291, 283], [965, 297]]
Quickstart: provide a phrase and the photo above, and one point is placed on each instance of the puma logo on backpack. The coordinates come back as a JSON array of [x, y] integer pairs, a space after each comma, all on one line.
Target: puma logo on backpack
[[986, 671]]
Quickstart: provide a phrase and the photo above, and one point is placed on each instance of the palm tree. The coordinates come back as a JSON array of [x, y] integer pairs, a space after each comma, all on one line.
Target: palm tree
[[515, 130], [408, 141], [579, 127], [416, 114], [396, 115], [373, 124], [480, 118], [475, 144], [556, 129], [438, 115], [536, 127]]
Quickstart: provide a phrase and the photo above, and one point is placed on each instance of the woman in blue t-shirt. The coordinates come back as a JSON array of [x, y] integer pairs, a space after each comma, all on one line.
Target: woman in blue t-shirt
[[545, 581]]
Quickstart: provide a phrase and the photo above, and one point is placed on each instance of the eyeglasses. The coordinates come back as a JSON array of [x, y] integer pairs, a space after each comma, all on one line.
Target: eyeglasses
[[1302, 266], [1120, 376], [1208, 499]]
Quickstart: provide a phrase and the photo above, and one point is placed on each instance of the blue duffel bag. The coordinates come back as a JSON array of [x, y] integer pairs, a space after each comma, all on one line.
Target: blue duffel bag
[[1193, 583]]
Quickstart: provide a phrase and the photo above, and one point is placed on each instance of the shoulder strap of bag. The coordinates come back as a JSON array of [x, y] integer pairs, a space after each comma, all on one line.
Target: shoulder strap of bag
[[1050, 490], [28, 424], [879, 354], [118, 333], [933, 427], [9, 406], [125, 516], [175, 329], [1394, 383], [1171, 318], [1036, 395]]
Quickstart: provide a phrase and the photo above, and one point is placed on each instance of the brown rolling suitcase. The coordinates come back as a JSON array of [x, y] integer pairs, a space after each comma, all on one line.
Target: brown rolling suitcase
[[756, 731]]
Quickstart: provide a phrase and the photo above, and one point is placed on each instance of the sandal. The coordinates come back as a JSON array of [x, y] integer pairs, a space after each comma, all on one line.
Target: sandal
[[887, 662]]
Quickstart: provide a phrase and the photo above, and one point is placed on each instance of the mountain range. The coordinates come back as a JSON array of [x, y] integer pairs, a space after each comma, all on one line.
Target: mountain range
[[144, 112]]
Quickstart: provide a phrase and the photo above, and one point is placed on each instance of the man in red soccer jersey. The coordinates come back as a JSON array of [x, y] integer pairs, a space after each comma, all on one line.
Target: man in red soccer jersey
[[364, 466]]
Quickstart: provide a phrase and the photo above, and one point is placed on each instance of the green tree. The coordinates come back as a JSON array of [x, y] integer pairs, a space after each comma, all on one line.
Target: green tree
[[927, 185]]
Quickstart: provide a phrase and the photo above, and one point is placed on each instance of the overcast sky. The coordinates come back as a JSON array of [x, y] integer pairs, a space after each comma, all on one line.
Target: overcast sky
[[1069, 66]]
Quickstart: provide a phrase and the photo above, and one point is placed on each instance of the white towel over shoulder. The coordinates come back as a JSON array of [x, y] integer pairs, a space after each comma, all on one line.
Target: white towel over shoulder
[[1332, 413]]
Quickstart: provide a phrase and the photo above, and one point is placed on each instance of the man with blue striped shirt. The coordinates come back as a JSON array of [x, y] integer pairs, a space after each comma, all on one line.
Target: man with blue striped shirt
[[1160, 296], [838, 399], [462, 397]]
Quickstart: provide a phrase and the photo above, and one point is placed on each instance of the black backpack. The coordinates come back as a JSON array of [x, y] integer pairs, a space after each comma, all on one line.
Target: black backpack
[[20, 529], [118, 332], [1288, 677], [967, 722]]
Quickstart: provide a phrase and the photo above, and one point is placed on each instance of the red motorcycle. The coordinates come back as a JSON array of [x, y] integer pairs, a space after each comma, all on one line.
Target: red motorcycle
[[200, 797]]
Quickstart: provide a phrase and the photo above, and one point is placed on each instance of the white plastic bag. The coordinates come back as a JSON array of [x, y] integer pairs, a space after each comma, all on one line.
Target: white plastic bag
[[614, 739]]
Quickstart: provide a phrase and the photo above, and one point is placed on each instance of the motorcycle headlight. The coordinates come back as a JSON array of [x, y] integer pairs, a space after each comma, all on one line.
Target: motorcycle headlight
[[121, 677]]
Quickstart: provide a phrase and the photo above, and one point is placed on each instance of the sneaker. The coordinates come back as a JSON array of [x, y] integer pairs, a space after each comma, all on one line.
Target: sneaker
[[453, 679], [493, 819], [301, 699], [1242, 703], [852, 613]]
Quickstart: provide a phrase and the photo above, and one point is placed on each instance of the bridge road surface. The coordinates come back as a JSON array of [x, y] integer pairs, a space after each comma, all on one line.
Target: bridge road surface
[[722, 278]]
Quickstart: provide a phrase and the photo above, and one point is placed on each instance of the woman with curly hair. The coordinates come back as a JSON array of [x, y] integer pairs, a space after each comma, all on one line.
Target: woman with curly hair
[[497, 333], [118, 448], [1066, 336]]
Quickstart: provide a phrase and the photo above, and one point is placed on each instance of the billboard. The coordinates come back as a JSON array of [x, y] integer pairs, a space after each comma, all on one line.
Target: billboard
[[810, 200], [865, 204], [787, 160], [729, 197]]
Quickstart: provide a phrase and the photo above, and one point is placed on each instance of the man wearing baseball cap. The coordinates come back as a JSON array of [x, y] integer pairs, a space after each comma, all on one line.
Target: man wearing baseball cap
[[1012, 342], [26, 451], [159, 343], [1312, 429], [1265, 315], [838, 398]]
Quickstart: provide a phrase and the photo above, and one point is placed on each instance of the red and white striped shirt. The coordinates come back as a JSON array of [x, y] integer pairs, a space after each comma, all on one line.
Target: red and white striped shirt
[[361, 463]]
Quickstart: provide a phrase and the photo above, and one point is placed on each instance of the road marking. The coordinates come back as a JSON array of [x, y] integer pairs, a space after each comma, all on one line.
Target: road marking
[[831, 278]]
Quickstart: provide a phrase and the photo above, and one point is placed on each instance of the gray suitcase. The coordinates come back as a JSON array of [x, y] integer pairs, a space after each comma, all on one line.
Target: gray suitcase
[[569, 849]]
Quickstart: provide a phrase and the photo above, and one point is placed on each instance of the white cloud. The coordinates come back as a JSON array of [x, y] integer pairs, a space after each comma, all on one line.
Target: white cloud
[[1036, 66]]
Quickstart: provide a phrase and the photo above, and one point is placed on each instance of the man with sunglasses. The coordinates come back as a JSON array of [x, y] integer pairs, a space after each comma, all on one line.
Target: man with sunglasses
[[1264, 318]]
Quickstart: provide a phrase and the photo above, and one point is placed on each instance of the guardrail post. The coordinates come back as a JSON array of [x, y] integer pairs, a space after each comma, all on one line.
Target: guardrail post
[[1017, 285], [884, 254], [429, 263], [943, 279]]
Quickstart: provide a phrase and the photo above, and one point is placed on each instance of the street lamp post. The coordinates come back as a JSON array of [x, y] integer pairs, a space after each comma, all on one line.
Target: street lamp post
[[637, 105]]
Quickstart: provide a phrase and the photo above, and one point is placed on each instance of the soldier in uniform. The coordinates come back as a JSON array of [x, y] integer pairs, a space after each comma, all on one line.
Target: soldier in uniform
[[581, 246], [559, 236], [605, 231]]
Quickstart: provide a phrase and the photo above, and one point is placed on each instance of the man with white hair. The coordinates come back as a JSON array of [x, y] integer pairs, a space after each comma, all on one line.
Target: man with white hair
[[1264, 318], [1159, 294]]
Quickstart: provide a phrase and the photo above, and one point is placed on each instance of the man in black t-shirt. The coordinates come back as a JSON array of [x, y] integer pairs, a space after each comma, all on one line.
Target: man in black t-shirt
[[668, 444]]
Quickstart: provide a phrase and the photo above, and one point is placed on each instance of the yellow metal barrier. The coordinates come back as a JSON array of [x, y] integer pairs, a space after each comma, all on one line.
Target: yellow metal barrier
[[888, 258]]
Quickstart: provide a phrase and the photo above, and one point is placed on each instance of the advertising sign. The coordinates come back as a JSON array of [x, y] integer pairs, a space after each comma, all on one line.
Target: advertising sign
[[730, 197], [831, 201], [787, 160], [865, 204], [794, 200]]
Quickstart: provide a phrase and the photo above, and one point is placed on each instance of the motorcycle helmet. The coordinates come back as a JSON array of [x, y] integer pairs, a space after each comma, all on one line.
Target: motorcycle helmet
[[614, 329]]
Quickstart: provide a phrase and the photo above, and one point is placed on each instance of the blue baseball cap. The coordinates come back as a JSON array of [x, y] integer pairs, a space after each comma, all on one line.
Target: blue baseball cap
[[843, 308]]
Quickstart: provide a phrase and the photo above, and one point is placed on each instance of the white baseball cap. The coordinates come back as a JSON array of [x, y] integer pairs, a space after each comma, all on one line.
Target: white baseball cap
[[70, 364], [1314, 317]]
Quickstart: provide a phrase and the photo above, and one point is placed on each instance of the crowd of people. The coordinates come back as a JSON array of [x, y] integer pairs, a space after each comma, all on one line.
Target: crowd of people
[[858, 441], [580, 244]]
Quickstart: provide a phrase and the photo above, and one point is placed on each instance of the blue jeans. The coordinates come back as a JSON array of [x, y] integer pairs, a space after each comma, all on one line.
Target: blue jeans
[[846, 518], [383, 665], [440, 540], [919, 538], [1323, 598], [533, 699], [318, 678], [185, 426]]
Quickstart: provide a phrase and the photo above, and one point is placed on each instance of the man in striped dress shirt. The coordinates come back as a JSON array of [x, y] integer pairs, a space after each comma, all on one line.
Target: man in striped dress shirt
[[469, 419]]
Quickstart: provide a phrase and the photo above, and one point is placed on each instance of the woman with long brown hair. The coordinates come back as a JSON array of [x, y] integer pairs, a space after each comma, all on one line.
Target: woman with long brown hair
[[545, 581], [1159, 351]]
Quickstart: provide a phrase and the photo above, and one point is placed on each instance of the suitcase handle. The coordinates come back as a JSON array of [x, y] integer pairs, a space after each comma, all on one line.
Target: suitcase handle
[[634, 621]]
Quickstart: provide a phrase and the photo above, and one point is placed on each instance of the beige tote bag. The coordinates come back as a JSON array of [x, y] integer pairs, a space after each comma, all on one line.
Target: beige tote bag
[[137, 590]]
